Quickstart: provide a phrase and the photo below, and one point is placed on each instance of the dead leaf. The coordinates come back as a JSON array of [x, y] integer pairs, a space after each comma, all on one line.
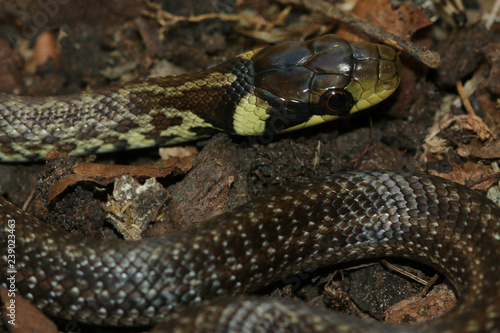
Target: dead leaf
[[485, 135], [69, 180], [45, 48], [418, 309], [436, 145], [403, 21], [167, 153], [480, 150], [474, 175], [105, 174], [472, 123], [113, 171]]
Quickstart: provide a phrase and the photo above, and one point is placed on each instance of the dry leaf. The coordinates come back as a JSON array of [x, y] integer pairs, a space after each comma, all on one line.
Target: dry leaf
[[474, 175], [479, 150], [45, 48], [69, 180], [418, 309], [105, 174], [472, 123], [167, 153], [436, 145], [113, 171], [403, 22]]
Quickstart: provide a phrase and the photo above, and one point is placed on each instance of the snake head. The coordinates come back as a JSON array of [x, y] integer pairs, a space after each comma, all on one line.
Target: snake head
[[307, 83]]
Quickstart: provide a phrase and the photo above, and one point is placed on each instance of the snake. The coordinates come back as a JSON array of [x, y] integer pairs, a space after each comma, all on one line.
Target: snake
[[261, 92], [192, 280]]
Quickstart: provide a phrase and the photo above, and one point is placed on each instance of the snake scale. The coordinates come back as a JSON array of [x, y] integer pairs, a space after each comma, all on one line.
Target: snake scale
[[187, 279]]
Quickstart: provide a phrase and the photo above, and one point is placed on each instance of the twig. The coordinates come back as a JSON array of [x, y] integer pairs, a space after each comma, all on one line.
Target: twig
[[166, 19], [28, 201], [429, 285], [465, 98], [493, 15], [404, 272], [484, 179], [427, 57]]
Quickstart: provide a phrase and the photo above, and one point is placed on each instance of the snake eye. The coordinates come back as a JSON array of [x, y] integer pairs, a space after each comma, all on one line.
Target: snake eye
[[336, 102]]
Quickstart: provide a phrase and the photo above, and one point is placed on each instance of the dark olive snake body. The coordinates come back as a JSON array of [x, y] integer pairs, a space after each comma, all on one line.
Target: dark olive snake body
[[337, 219], [185, 277]]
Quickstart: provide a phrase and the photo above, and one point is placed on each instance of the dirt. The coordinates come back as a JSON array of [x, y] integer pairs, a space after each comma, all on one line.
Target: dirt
[[102, 44]]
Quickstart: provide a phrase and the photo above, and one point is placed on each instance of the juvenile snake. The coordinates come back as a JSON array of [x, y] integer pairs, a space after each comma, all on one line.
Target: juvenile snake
[[273, 90], [340, 218]]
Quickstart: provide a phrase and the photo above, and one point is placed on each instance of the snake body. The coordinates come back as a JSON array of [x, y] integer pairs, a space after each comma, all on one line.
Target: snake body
[[266, 91], [337, 219], [340, 218]]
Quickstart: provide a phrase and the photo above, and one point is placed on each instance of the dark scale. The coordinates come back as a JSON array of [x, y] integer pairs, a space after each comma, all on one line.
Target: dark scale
[[294, 77]]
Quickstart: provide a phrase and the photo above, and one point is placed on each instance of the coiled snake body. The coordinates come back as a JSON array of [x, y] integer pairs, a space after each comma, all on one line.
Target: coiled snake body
[[340, 218]]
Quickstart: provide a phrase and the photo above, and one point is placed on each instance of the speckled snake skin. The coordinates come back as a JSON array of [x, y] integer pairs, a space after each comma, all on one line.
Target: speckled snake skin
[[277, 89], [337, 219], [184, 279]]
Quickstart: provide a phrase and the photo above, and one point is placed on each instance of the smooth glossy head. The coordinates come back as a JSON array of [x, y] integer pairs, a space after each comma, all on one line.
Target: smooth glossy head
[[306, 83]]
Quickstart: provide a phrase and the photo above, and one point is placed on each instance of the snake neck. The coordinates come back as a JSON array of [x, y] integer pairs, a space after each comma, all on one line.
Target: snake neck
[[157, 111], [262, 92]]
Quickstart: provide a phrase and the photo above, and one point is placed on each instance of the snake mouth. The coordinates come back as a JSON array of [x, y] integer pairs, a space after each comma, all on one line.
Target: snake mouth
[[376, 74]]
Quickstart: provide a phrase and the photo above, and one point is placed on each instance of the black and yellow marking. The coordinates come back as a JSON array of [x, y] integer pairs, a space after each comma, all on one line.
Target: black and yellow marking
[[276, 89]]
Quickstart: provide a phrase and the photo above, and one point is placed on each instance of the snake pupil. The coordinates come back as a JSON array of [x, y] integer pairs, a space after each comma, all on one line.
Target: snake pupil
[[336, 102]]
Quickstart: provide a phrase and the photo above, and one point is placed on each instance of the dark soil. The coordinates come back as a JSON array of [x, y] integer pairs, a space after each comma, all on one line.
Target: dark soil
[[105, 42]]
